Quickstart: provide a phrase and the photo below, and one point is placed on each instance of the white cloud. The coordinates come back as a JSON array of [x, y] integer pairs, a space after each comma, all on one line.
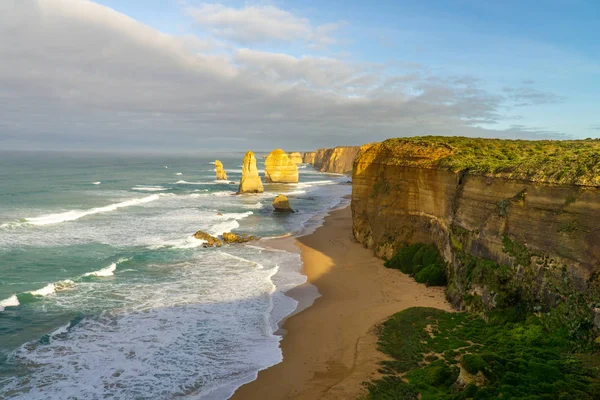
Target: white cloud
[[256, 24], [78, 74]]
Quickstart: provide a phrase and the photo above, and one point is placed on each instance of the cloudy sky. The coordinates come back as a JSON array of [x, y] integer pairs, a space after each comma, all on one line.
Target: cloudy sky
[[175, 75]]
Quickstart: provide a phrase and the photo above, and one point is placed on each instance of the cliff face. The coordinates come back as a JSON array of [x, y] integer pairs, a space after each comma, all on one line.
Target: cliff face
[[279, 168], [295, 157], [504, 238], [337, 160]]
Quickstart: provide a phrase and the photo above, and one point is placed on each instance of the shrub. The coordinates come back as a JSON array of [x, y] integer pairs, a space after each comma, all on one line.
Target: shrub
[[417, 269], [418, 258], [402, 260], [431, 255], [473, 363], [432, 275]]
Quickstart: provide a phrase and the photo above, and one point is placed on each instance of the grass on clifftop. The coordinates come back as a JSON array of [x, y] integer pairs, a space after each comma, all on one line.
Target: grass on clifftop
[[554, 161], [453, 356]]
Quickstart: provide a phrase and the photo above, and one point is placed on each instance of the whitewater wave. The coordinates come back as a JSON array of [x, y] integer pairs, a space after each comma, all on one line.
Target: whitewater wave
[[52, 288], [222, 223], [108, 271], [255, 206], [142, 188], [178, 173], [221, 182], [96, 183], [213, 194], [12, 301], [76, 214]]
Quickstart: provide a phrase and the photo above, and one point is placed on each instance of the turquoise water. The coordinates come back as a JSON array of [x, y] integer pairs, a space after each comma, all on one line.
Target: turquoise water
[[104, 293]]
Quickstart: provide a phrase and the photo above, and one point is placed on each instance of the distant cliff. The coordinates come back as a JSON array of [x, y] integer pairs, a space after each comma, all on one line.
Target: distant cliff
[[517, 221], [337, 160]]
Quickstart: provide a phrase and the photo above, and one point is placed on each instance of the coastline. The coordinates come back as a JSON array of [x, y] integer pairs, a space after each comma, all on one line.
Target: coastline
[[330, 344]]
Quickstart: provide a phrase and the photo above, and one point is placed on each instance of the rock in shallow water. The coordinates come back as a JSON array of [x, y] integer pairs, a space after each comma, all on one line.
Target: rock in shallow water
[[211, 241], [282, 203], [229, 237]]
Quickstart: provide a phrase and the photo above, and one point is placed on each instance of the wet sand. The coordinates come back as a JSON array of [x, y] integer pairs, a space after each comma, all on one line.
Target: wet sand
[[330, 348]]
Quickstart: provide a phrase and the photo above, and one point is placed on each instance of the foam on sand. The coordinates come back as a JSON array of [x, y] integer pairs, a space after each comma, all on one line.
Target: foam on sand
[[76, 214]]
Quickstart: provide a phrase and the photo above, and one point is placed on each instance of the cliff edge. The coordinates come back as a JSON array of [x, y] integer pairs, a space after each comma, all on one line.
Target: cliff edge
[[517, 221]]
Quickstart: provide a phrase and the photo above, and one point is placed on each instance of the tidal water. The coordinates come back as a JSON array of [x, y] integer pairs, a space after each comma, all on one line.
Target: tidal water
[[105, 294]]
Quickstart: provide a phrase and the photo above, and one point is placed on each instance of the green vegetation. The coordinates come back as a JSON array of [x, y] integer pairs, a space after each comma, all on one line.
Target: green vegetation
[[422, 261], [452, 356], [557, 161]]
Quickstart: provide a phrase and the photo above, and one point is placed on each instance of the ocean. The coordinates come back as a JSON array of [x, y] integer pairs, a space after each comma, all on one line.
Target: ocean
[[105, 294]]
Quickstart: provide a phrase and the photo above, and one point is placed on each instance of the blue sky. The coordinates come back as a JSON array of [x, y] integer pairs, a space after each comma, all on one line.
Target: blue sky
[[525, 69], [552, 45]]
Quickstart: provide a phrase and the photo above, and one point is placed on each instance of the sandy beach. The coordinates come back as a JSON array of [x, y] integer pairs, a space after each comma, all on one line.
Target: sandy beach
[[329, 349]]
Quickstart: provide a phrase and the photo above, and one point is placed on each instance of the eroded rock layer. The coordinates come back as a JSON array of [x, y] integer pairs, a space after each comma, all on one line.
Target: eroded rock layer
[[507, 239], [280, 169], [337, 160], [250, 181]]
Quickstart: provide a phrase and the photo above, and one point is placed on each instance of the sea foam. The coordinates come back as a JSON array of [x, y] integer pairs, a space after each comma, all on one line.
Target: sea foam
[[76, 214], [52, 288], [108, 271], [12, 301]]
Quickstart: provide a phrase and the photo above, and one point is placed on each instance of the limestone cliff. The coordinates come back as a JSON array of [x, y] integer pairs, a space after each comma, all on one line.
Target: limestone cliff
[[295, 157], [279, 168], [309, 157], [516, 220], [337, 160], [250, 182], [221, 174]]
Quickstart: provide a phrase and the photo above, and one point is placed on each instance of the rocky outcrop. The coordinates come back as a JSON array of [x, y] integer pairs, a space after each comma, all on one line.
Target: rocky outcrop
[[211, 241], [337, 160], [250, 181], [229, 237], [513, 229], [309, 157], [279, 168], [295, 157], [221, 175], [282, 203]]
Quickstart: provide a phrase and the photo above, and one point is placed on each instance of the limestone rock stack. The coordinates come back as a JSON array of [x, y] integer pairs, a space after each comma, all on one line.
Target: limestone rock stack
[[250, 182], [295, 157], [279, 168], [221, 175]]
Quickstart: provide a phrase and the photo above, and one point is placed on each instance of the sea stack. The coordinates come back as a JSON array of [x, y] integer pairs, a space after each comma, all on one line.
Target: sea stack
[[221, 175], [250, 182], [282, 203], [295, 157], [279, 168]]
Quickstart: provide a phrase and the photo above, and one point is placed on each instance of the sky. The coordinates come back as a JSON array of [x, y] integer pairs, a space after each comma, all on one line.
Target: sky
[[185, 75]]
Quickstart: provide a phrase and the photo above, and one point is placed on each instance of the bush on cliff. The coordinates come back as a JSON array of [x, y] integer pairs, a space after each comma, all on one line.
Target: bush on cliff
[[421, 260], [432, 275], [402, 260], [517, 360]]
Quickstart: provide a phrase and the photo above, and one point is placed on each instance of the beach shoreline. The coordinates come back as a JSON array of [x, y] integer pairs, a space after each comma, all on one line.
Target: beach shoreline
[[329, 343]]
